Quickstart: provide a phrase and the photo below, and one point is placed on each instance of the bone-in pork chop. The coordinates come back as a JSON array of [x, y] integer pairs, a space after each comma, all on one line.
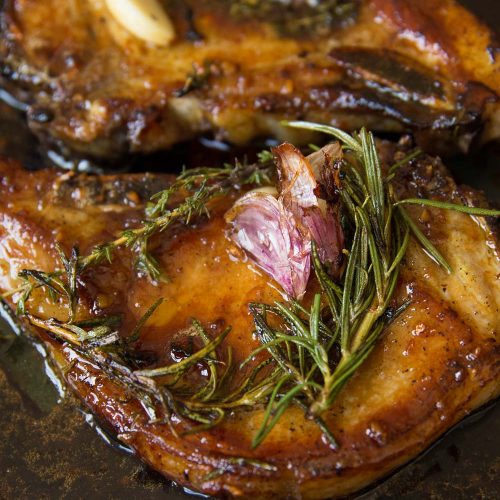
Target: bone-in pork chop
[[436, 361], [236, 68]]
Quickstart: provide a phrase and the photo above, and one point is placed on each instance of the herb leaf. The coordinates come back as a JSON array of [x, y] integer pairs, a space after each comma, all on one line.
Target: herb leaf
[[483, 212]]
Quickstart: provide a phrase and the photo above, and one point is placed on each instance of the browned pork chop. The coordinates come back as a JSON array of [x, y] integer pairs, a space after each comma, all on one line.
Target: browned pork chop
[[236, 68], [438, 361]]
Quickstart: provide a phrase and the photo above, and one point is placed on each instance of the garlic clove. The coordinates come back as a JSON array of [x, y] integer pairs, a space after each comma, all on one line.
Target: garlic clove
[[146, 19], [273, 239]]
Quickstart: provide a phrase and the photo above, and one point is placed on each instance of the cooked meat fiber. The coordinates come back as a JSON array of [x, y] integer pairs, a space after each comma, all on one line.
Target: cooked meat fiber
[[236, 68], [434, 364]]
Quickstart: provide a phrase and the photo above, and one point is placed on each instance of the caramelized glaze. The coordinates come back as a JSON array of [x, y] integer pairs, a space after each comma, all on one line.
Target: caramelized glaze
[[435, 363]]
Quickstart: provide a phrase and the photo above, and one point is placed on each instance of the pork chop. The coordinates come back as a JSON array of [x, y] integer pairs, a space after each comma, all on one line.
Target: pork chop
[[236, 68], [436, 361]]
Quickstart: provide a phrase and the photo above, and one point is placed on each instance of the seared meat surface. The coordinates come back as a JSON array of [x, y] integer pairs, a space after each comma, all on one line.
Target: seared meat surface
[[235, 69], [434, 364]]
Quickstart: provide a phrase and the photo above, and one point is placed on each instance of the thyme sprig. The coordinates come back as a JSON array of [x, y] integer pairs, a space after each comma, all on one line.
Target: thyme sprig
[[51, 282], [97, 340], [186, 198]]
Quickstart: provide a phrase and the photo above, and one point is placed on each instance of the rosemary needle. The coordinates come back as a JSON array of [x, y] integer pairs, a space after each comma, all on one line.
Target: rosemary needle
[[483, 212]]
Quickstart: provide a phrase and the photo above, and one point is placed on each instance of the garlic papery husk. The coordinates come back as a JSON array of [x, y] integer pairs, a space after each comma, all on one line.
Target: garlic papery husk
[[299, 191]]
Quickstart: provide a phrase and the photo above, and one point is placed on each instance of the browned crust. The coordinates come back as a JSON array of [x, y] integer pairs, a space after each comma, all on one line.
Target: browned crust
[[400, 430]]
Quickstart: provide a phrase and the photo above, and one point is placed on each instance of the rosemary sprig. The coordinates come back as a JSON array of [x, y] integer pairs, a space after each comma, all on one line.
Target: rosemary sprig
[[425, 242], [134, 336], [316, 367], [307, 355], [163, 390], [96, 336], [196, 188], [95, 339]]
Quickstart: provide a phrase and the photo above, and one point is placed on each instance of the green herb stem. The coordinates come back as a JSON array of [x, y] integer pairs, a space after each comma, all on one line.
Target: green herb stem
[[482, 212]]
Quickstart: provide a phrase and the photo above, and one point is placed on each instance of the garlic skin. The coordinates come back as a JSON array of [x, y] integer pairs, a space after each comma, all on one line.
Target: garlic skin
[[145, 19], [276, 228], [298, 187], [273, 238]]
